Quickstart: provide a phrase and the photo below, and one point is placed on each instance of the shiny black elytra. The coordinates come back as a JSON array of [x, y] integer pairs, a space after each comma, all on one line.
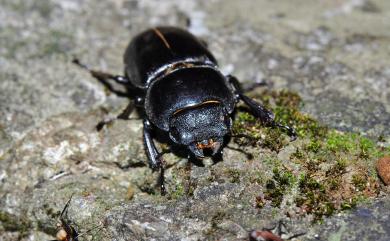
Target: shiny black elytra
[[173, 78]]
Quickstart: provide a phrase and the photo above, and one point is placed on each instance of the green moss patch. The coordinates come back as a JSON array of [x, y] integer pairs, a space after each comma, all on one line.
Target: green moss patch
[[329, 170]]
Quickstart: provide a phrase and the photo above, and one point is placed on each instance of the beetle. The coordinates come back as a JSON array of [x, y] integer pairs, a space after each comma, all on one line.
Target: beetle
[[66, 231], [175, 81]]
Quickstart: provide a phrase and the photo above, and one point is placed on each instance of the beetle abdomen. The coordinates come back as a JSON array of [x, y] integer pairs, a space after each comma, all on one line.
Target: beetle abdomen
[[186, 88], [154, 52]]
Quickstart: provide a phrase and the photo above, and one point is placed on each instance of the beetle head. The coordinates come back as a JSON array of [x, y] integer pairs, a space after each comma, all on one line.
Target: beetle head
[[201, 128]]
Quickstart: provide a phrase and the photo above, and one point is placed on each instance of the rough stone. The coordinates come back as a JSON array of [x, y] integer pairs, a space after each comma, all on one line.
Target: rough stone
[[333, 53], [383, 168]]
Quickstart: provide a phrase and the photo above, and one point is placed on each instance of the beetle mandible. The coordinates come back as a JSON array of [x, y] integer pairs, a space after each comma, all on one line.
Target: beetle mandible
[[172, 77]]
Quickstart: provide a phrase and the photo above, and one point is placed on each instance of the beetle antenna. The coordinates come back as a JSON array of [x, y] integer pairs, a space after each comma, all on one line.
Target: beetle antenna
[[77, 62], [102, 77]]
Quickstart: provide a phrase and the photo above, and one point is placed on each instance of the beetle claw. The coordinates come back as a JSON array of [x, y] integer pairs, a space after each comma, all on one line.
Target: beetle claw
[[290, 131]]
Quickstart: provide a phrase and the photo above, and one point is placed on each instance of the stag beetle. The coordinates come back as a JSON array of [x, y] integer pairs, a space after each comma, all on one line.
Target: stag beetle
[[175, 81]]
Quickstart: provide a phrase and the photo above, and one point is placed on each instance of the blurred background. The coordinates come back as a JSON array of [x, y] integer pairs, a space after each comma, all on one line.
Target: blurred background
[[334, 53]]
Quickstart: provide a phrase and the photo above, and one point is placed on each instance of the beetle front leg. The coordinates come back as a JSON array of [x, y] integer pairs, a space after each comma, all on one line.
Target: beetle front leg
[[266, 116], [154, 157]]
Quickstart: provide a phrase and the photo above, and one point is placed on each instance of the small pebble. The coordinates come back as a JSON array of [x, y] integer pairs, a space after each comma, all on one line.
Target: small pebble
[[383, 169]]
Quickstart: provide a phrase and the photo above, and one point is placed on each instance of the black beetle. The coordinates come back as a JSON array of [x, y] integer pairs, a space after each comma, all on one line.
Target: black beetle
[[174, 79]]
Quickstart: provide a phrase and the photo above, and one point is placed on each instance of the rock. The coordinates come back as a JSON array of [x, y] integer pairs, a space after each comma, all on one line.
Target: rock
[[383, 169], [334, 55]]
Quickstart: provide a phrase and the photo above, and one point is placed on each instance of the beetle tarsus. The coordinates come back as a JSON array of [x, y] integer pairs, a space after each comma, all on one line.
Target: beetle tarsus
[[162, 180], [290, 131]]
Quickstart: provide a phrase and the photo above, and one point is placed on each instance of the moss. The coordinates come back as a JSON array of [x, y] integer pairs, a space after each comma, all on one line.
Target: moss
[[274, 140], [359, 182], [274, 193], [233, 175], [313, 146], [256, 177], [276, 187], [298, 154], [247, 127], [366, 147], [178, 190], [217, 216], [286, 111], [285, 106], [313, 198], [336, 169], [338, 141], [12, 223], [348, 204]]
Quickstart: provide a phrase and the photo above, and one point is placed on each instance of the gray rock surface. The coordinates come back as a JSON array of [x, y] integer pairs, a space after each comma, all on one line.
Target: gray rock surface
[[335, 54]]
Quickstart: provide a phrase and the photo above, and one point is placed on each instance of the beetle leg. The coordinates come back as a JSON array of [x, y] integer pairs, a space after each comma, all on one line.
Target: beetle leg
[[266, 116], [98, 74], [154, 157], [124, 115], [103, 77]]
